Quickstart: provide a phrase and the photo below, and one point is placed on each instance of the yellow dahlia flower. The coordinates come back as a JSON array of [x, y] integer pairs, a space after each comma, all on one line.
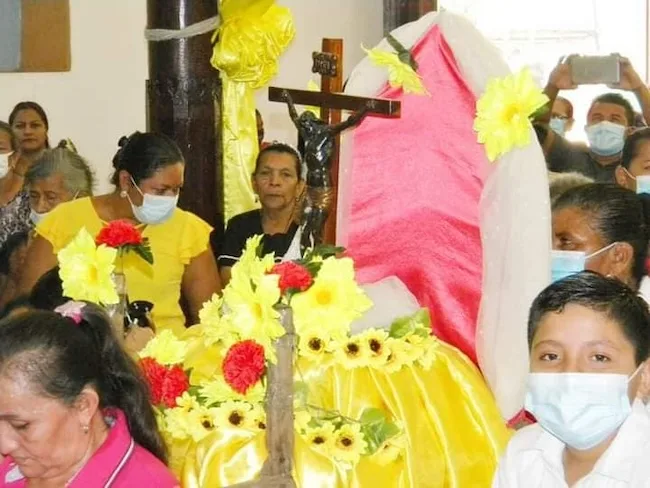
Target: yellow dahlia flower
[[503, 112], [85, 270], [332, 302], [165, 348]]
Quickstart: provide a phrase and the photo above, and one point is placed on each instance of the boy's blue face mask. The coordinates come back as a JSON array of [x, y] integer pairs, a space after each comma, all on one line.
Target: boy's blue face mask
[[566, 263]]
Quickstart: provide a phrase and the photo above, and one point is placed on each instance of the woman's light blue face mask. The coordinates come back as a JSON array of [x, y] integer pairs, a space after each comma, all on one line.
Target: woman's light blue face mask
[[642, 182], [566, 263]]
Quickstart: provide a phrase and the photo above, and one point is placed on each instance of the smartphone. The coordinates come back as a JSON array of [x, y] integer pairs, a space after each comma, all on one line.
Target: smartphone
[[594, 70]]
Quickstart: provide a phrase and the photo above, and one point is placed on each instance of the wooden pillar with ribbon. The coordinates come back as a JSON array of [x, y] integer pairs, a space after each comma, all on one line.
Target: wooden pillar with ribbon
[[183, 97]]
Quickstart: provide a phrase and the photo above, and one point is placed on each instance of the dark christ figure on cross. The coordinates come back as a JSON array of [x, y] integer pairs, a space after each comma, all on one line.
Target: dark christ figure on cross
[[319, 139]]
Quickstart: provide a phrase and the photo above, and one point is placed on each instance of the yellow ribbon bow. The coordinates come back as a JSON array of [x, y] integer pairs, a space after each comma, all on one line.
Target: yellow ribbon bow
[[252, 36]]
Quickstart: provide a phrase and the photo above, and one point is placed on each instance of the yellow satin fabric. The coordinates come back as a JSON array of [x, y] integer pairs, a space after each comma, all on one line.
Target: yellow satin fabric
[[252, 36], [454, 429]]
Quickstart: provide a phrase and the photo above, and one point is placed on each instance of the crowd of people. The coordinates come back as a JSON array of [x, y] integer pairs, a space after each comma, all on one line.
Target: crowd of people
[[74, 408]]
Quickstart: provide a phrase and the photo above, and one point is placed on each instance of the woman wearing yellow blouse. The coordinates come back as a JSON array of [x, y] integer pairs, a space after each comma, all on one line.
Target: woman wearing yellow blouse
[[148, 179]]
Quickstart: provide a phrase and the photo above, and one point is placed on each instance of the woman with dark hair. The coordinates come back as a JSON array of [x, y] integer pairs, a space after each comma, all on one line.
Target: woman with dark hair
[[634, 171], [12, 257], [278, 183], [14, 203], [29, 122], [602, 228], [74, 411], [148, 179]]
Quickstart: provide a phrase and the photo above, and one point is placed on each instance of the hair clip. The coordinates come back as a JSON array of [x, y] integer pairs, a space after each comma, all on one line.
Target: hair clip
[[71, 310]]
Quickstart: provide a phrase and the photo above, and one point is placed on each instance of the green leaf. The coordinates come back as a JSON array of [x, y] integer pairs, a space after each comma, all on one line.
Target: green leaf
[[412, 324], [371, 416], [326, 251], [301, 392], [144, 252]]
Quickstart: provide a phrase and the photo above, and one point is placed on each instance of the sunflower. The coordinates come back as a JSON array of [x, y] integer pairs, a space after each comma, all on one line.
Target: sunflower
[[86, 270], [232, 414], [400, 353], [256, 418], [332, 302], [165, 348], [375, 341], [352, 353], [349, 444], [321, 437], [503, 112], [313, 344], [182, 424]]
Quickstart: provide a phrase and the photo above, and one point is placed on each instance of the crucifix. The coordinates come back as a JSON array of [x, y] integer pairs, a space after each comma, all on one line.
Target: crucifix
[[321, 136]]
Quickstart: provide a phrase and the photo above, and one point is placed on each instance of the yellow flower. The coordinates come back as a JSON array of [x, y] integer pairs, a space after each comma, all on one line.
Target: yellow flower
[[503, 112], [251, 309], [390, 450], [332, 302], [321, 437], [210, 314], [231, 415], [313, 344], [301, 419], [400, 75], [250, 266], [375, 341], [187, 402], [256, 418], [429, 352], [85, 270], [165, 348], [218, 391], [182, 424], [352, 353], [349, 444], [400, 353]]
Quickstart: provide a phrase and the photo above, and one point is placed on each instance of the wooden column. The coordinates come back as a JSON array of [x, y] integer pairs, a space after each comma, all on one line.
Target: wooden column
[[183, 102]]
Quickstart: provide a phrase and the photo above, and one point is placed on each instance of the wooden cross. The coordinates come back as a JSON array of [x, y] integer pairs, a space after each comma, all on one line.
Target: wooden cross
[[329, 65]]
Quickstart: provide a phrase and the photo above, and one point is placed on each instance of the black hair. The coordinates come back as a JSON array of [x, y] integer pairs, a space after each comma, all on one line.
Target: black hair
[[616, 99], [143, 153], [632, 143], [617, 214], [601, 294], [47, 293], [5, 127], [15, 304], [281, 148], [36, 108], [13, 242], [59, 358]]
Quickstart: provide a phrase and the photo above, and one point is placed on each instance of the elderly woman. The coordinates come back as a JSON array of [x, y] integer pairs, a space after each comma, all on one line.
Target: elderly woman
[[148, 179], [59, 175], [14, 203], [278, 183], [602, 228], [74, 411]]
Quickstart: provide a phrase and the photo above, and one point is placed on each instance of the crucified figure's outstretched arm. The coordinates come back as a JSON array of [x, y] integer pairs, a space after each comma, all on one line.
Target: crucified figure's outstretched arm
[[293, 113], [354, 119]]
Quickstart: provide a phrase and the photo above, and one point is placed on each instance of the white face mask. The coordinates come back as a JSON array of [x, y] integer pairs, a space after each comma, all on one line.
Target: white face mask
[[580, 409], [155, 209], [36, 217], [642, 182], [4, 164]]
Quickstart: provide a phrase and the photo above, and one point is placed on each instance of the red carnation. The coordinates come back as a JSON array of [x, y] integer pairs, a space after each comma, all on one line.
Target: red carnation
[[120, 233], [244, 365], [166, 383], [292, 276]]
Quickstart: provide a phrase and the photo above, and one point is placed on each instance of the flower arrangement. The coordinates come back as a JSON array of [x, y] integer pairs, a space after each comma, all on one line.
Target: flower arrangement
[[503, 112], [125, 237], [235, 337]]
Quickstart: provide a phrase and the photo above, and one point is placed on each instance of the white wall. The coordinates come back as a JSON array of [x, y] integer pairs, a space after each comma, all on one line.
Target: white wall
[[103, 96], [355, 21]]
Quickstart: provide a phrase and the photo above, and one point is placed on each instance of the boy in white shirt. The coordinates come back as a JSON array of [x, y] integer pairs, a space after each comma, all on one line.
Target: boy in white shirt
[[589, 341]]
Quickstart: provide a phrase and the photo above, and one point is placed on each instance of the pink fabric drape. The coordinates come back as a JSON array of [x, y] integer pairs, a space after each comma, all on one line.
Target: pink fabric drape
[[414, 205]]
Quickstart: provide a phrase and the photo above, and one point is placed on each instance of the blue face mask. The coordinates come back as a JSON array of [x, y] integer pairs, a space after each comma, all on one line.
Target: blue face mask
[[642, 182], [580, 409], [155, 209], [567, 263], [606, 138], [558, 125]]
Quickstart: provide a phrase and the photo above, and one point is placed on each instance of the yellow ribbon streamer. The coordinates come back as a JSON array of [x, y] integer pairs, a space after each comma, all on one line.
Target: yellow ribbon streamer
[[252, 36]]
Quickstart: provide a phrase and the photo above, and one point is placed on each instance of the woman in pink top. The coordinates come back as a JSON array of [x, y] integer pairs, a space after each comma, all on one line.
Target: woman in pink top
[[74, 410]]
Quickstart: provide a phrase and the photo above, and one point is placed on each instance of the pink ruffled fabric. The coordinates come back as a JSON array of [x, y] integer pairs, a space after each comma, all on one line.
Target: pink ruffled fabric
[[414, 205]]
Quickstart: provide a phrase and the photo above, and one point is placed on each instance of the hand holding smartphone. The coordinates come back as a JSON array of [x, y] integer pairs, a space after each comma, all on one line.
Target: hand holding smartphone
[[594, 70]]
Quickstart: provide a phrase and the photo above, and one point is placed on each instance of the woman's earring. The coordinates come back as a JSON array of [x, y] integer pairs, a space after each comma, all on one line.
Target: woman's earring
[[85, 428], [257, 198], [123, 194]]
